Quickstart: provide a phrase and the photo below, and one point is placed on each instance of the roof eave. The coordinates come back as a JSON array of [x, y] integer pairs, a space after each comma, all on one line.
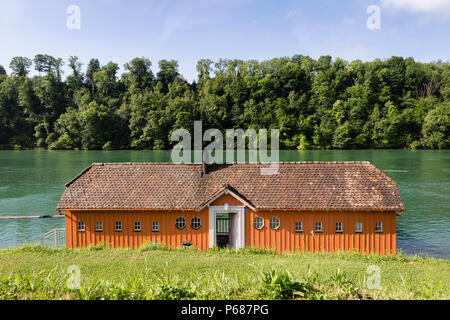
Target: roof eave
[[78, 176]]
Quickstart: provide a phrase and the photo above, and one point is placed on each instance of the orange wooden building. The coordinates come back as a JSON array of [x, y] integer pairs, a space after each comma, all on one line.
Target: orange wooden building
[[307, 206]]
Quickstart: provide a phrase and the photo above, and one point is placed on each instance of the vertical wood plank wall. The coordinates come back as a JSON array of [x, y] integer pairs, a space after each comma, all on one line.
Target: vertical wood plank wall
[[168, 234], [286, 239], [283, 239]]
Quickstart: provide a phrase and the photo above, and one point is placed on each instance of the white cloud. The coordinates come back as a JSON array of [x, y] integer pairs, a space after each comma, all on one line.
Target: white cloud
[[441, 7]]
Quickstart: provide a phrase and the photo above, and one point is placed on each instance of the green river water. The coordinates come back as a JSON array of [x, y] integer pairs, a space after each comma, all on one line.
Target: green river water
[[31, 183]]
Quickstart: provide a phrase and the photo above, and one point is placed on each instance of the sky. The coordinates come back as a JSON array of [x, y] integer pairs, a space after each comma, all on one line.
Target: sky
[[190, 30]]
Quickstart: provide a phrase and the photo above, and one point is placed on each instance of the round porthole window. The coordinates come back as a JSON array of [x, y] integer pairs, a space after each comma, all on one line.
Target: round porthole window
[[274, 223], [258, 223], [180, 223], [196, 223]]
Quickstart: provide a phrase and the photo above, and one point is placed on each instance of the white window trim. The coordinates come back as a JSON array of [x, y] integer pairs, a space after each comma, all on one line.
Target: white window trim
[[176, 223], [301, 226], [381, 227], [116, 223], [199, 223], [140, 226], [270, 223], [98, 223], [155, 226], [321, 227], [82, 224], [336, 227], [262, 221], [361, 229]]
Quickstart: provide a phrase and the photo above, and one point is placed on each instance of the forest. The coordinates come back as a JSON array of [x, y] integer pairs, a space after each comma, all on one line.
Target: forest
[[316, 104]]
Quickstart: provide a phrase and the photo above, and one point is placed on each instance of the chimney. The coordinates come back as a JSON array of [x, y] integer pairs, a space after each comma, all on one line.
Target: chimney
[[205, 165]]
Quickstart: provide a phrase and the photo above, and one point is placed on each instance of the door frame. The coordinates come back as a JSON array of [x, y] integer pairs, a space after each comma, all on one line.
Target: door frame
[[239, 228]]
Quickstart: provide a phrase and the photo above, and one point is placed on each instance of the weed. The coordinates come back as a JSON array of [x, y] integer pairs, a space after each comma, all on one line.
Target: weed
[[280, 285]]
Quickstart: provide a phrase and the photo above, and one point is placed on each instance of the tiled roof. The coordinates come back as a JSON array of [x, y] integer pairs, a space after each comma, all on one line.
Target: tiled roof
[[298, 185]]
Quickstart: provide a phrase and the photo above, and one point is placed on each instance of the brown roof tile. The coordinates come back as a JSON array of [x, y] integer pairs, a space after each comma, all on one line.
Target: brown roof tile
[[298, 185]]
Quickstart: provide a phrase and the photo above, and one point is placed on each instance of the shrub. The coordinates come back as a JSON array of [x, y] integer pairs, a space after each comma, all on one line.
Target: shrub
[[280, 285]]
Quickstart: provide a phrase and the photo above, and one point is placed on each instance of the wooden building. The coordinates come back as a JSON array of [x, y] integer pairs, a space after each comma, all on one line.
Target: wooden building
[[307, 206]]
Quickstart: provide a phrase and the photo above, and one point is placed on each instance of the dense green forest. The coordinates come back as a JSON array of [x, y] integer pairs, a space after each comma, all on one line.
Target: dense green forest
[[316, 104]]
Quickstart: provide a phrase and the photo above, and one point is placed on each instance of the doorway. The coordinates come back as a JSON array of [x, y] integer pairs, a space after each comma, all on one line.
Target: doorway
[[223, 227], [226, 227]]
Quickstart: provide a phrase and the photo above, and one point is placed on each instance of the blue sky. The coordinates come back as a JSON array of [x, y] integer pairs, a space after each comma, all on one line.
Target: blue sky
[[189, 30]]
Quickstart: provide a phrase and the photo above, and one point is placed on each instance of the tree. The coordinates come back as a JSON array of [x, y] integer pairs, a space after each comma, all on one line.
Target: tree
[[105, 81], [20, 66], [204, 67], [316, 104], [69, 128], [168, 71], [44, 63], [75, 80], [139, 74], [98, 127], [92, 67], [436, 127]]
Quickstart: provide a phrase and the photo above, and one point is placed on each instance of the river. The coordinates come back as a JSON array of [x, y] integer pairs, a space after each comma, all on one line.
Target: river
[[31, 183]]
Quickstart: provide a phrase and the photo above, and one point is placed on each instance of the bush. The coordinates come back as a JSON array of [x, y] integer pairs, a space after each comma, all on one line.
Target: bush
[[280, 285]]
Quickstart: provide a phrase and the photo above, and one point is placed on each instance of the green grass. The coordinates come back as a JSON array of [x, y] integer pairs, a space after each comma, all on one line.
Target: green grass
[[35, 272]]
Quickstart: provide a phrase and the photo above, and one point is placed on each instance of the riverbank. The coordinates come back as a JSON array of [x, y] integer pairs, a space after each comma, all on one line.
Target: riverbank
[[34, 272]]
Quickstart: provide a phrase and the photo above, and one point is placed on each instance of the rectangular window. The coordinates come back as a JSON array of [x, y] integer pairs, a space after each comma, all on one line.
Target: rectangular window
[[118, 226], [358, 227], [137, 226], [98, 226], [298, 227], [338, 227], [378, 227], [80, 226], [318, 227], [155, 226]]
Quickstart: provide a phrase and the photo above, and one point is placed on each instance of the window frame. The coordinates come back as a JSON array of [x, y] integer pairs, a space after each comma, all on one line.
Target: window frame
[[135, 223], [260, 222], [155, 223], [184, 223], [199, 221], [81, 223], [379, 223], [341, 225], [117, 223], [301, 227], [315, 227], [271, 221], [98, 223], [361, 227]]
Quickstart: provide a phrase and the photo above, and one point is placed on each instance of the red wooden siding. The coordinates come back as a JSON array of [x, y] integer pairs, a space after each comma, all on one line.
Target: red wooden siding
[[226, 198], [168, 234], [286, 239], [282, 240]]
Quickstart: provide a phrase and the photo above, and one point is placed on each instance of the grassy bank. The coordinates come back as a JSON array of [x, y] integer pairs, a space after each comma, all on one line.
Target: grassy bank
[[34, 272]]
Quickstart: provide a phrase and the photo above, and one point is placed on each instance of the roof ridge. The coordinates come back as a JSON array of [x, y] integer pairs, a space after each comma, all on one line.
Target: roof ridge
[[187, 164]]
